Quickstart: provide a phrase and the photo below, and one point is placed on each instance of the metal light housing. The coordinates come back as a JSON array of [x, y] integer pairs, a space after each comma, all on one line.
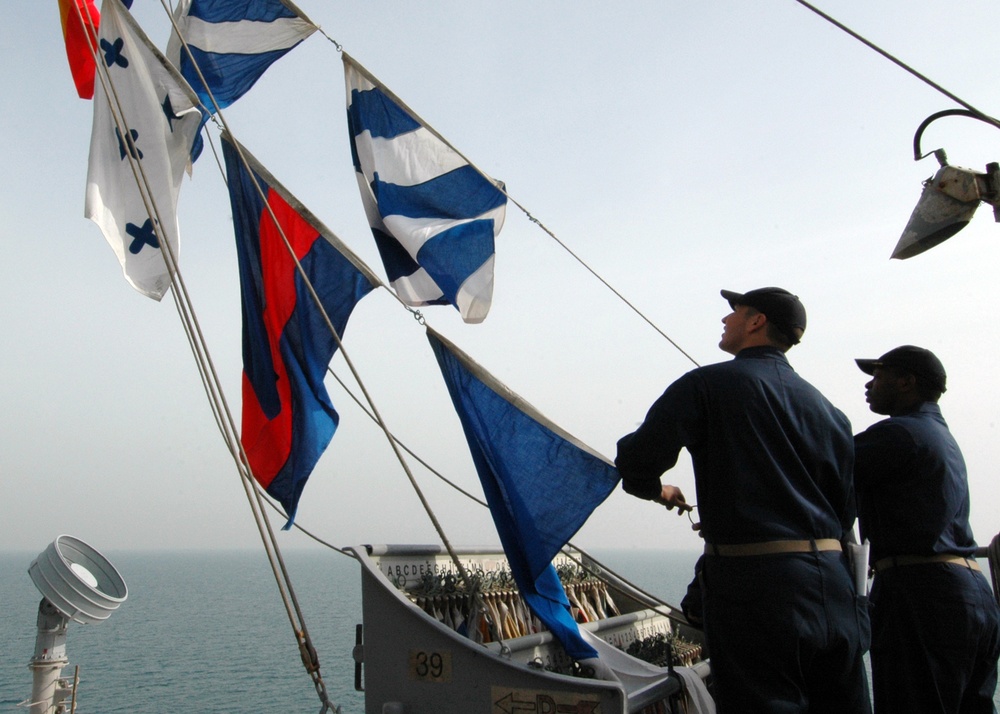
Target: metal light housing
[[946, 206], [949, 198], [79, 582]]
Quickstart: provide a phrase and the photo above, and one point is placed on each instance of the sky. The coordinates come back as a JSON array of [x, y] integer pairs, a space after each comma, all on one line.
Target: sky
[[677, 148]]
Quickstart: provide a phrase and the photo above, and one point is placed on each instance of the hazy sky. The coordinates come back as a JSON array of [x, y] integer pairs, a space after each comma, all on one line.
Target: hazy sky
[[679, 148]]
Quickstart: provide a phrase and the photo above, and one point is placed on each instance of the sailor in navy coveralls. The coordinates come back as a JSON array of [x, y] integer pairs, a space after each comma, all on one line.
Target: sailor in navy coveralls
[[935, 638], [773, 473]]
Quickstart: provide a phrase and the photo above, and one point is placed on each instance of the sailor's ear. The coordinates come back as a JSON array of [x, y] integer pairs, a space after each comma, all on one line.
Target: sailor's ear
[[906, 382], [757, 321]]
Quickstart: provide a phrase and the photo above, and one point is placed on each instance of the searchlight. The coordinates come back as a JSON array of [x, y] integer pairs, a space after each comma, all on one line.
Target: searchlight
[[77, 584], [949, 198]]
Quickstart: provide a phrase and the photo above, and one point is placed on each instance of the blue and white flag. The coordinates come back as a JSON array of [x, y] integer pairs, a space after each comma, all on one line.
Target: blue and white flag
[[433, 215], [140, 144], [233, 42], [541, 484]]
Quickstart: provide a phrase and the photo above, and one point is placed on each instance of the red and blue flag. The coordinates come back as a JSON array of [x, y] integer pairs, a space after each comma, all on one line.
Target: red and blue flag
[[288, 418]]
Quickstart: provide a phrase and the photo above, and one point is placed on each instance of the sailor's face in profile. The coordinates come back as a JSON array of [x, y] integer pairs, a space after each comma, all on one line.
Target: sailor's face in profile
[[734, 329], [883, 391]]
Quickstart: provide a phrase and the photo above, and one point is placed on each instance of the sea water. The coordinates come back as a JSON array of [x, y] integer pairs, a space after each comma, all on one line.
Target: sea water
[[207, 631]]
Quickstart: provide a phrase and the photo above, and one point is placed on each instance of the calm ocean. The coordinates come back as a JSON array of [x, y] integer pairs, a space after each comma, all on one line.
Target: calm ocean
[[206, 632]]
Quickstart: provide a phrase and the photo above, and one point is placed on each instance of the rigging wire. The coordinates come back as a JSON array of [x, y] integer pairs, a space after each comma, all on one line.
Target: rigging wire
[[592, 564], [210, 380], [600, 567], [899, 63], [597, 275], [405, 448], [226, 423], [503, 189]]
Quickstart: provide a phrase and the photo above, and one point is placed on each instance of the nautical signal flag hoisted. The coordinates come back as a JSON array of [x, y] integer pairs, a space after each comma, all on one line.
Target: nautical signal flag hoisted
[[288, 419], [140, 144], [232, 43], [80, 20], [541, 484], [433, 215]]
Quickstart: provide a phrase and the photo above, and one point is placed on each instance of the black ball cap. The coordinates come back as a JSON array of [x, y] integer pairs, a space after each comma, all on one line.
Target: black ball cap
[[782, 309], [921, 363]]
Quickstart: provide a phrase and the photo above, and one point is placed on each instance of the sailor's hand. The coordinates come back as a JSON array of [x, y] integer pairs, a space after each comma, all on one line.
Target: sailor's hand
[[671, 496]]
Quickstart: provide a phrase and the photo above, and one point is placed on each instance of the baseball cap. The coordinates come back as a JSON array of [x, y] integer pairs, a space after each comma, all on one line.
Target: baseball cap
[[782, 309], [921, 363]]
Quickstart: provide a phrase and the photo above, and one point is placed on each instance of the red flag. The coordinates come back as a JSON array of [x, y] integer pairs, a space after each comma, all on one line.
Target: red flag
[[80, 19]]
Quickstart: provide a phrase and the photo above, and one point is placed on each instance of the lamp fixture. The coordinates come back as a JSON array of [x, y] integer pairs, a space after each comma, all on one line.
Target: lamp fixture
[[77, 584], [949, 198]]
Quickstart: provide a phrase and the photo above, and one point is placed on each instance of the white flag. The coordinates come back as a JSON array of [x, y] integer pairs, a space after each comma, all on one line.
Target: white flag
[[142, 137]]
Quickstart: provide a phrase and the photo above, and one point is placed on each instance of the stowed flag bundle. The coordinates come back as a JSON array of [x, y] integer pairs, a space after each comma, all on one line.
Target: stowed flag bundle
[[288, 419], [433, 215], [142, 137], [232, 43], [541, 484]]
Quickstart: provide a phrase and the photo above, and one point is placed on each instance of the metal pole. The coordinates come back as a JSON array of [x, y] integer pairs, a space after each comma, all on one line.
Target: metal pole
[[48, 689]]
